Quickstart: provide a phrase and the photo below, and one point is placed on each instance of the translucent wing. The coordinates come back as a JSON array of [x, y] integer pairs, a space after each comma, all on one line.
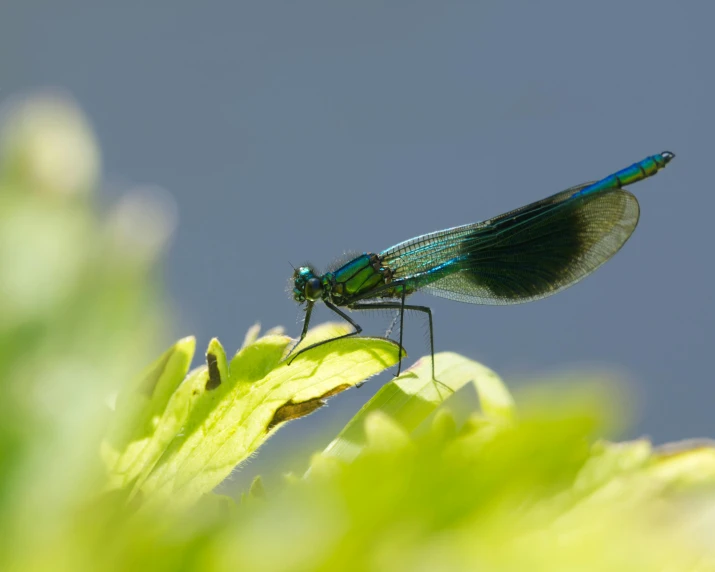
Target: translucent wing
[[523, 255]]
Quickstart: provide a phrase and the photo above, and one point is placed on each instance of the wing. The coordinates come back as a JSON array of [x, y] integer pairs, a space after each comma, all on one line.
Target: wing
[[522, 255]]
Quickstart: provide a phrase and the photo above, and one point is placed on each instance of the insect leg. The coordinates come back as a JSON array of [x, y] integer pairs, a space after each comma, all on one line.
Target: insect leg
[[344, 316], [401, 306], [306, 323]]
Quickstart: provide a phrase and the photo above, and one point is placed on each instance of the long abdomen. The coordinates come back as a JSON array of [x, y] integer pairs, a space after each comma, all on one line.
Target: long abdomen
[[636, 172]]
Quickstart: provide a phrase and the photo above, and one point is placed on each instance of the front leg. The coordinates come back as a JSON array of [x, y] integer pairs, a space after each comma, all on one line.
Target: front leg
[[306, 323], [340, 313]]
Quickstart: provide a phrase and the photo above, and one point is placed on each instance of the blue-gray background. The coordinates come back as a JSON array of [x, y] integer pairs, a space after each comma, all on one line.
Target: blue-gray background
[[294, 131]]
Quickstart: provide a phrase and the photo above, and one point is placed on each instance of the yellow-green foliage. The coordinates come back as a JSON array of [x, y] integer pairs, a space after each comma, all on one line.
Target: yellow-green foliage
[[104, 468]]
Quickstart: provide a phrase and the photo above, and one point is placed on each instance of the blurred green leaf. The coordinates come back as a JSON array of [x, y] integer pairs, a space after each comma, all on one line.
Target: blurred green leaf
[[80, 316], [531, 494], [144, 423], [414, 396]]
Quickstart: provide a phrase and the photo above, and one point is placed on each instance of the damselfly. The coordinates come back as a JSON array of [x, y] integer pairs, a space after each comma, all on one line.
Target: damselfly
[[523, 255]]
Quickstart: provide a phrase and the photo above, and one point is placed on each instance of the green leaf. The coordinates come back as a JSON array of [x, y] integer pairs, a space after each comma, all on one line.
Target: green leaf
[[414, 396], [609, 461], [221, 413], [143, 425]]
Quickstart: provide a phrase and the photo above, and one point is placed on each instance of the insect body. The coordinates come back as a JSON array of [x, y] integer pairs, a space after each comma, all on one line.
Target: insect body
[[523, 255]]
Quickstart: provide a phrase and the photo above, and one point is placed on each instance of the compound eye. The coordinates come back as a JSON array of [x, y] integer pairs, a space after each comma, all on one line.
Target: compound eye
[[313, 289]]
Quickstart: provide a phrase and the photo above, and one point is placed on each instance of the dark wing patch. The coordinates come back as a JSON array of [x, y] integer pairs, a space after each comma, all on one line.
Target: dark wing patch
[[540, 249]]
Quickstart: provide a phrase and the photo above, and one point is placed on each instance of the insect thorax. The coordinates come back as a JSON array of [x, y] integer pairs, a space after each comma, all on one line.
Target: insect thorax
[[357, 279]]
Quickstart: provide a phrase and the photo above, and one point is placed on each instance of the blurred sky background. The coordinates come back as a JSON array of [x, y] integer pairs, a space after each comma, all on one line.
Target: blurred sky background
[[297, 131]]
